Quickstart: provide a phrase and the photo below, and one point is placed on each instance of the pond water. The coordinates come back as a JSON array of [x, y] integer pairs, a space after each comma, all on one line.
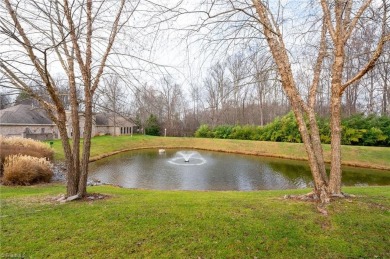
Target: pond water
[[203, 170]]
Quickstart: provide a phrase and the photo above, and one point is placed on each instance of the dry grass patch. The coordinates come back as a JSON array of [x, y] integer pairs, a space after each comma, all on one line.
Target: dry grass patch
[[26, 170], [23, 146]]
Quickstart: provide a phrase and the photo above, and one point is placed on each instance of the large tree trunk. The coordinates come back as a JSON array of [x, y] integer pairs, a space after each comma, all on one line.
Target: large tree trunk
[[309, 132], [76, 139], [335, 170], [335, 113], [82, 188], [317, 165], [317, 147], [71, 173]]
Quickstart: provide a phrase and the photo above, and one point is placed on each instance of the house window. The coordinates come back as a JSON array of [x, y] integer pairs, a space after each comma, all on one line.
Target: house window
[[42, 130]]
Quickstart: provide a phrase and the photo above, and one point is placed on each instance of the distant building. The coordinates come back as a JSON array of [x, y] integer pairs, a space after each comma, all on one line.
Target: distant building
[[105, 125], [28, 121]]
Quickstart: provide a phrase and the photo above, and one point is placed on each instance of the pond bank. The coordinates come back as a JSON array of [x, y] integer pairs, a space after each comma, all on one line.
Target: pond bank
[[357, 156], [344, 163]]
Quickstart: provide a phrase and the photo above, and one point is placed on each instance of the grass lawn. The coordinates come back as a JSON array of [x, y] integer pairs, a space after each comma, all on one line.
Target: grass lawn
[[370, 157], [144, 223], [197, 224]]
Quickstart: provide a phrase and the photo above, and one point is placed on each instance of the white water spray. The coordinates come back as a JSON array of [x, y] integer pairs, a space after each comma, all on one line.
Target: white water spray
[[187, 158]]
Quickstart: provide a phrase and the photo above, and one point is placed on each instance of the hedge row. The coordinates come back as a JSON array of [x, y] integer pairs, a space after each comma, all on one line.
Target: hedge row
[[356, 130]]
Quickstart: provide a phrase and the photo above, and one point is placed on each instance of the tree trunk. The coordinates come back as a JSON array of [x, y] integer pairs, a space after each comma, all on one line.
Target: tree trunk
[[75, 137], [335, 170], [261, 106], [316, 168], [82, 188], [317, 147], [70, 177], [335, 111], [115, 123], [384, 96], [310, 136]]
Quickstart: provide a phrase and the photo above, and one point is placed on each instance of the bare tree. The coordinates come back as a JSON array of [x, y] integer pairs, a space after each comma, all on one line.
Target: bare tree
[[384, 79], [43, 36], [238, 70], [217, 91], [339, 23], [146, 102], [262, 69], [172, 102], [112, 98]]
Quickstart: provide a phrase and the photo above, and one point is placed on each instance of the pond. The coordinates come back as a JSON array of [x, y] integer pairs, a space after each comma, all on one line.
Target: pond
[[204, 170]]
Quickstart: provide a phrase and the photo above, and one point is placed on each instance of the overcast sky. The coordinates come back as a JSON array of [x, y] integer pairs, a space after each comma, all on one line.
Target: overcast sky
[[176, 42]]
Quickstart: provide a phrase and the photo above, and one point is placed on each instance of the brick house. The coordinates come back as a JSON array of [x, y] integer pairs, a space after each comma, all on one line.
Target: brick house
[[28, 121]]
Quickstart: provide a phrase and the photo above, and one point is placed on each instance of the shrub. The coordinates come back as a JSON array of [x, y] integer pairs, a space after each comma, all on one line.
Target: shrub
[[203, 131], [247, 132], [152, 126], [358, 129], [23, 146], [26, 170], [351, 136], [368, 130], [324, 128], [374, 136], [223, 131]]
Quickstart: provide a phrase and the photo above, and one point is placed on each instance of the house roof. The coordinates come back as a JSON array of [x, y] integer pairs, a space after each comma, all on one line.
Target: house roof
[[24, 114], [107, 119], [28, 115]]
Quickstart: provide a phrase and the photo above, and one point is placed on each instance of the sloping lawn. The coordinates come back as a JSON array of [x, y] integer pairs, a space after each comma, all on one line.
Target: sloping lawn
[[370, 157], [181, 224]]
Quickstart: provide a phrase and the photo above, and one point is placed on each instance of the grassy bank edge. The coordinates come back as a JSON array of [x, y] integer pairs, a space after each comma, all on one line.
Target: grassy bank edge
[[344, 163], [355, 156]]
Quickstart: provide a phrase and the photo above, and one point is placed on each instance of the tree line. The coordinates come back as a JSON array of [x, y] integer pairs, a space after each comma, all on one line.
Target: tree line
[[358, 129], [245, 89]]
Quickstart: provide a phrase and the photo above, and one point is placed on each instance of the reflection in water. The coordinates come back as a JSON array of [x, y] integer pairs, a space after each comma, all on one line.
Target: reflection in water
[[193, 170]]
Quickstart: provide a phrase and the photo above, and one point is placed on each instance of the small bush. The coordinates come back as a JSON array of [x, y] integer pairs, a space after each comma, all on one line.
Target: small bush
[[152, 126], [223, 131], [247, 132], [26, 170], [203, 131], [23, 146]]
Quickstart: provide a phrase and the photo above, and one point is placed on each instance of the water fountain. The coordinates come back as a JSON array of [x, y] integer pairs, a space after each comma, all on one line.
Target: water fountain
[[187, 158]]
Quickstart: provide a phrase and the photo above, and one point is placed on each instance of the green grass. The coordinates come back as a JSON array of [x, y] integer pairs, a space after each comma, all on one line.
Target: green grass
[[181, 224], [372, 157]]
